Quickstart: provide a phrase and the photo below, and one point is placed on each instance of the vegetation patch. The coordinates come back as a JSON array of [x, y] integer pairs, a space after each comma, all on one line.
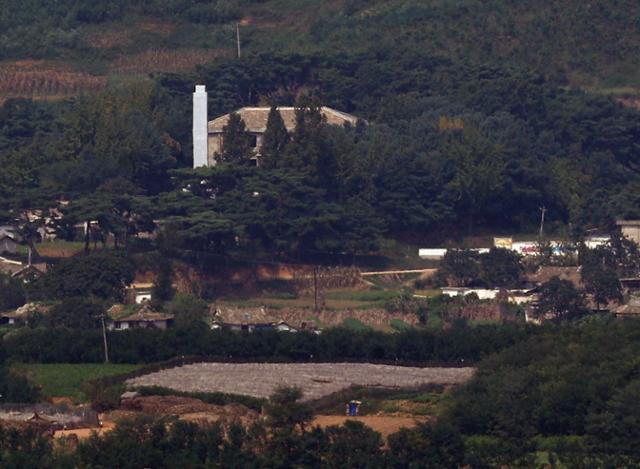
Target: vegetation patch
[[400, 325], [217, 398], [420, 401], [65, 380], [355, 324]]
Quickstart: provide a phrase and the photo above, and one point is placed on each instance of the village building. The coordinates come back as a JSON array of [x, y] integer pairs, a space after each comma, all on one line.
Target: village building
[[546, 273], [22, 315], [144, 318], [8, 245], [630, 229], [207, 135], [32, 272], [516, 296], [138, 293], [629, 310], [8, 230], [10, 267], [253, 320], [12, 318]]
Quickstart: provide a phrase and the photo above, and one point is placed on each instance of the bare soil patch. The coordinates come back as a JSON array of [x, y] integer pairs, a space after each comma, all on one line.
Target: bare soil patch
[[191, 409], [316, 379], [385, 425]]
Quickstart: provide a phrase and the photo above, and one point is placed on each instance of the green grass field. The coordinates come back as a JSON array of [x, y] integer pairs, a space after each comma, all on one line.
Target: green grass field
[[58, 248], [64, 379], [336, 298]]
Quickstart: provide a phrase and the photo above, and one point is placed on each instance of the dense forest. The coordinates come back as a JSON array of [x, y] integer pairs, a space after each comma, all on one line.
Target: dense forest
[[447, 147], [470, 126], [580, 43]]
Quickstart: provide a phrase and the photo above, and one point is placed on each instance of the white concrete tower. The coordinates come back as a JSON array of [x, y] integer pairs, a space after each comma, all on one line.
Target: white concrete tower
[[200, 117]]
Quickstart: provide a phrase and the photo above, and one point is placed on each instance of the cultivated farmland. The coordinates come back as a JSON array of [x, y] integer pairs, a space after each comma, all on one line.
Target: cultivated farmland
[[316, 379]]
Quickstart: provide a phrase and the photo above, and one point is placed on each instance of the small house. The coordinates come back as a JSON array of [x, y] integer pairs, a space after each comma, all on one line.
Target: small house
[[629, 310], [31, 271], [249, 320], [546, 273], [138, 293], [630, 229], [9, 267], [8, 245], [12, 319], [145, 318]]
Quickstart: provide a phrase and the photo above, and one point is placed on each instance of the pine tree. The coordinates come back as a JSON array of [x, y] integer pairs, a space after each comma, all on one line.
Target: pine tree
[[236, 141], [163, 286], [274, 141], [308, 149]]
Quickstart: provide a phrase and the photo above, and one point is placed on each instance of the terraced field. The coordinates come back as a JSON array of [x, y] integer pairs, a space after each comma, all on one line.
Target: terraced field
[[316, 379]]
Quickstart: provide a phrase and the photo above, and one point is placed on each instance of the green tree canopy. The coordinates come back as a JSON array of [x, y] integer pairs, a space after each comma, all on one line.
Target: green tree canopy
[[274, 140], [236, 141], [560, 299], [103, 274]]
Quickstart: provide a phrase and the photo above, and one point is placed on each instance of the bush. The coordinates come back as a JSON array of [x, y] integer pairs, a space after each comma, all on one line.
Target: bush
[[12, 294]]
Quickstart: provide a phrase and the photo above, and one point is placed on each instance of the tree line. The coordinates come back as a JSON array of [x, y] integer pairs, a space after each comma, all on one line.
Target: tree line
[[65, 345]]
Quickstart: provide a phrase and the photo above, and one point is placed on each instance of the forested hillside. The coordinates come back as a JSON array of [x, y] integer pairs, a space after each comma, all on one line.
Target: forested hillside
[[79, 44], [469, 123], [449, 146]]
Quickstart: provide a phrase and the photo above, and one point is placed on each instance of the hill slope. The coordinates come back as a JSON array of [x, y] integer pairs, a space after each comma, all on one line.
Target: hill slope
[[80, 45]]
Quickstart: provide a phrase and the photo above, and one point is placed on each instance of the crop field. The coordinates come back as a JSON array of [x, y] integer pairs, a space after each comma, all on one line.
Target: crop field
[[317, 380], [45, 79], [164, 60]]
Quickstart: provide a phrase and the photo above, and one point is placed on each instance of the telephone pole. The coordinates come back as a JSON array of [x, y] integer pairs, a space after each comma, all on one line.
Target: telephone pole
[[315, 288], [543, 210], [238, 39], [104, 338]]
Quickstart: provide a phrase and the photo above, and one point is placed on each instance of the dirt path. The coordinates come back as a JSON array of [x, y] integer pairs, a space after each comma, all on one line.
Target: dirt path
[[84, 433], [385, 425]]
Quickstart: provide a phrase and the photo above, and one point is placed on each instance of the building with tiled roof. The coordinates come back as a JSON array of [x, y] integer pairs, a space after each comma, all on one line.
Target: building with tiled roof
[[255, 119], [145, 318]]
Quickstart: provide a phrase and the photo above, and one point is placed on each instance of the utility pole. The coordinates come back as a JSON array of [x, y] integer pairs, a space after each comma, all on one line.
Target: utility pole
[[315, 287], [543, 209], [238, 39], [104, 338]]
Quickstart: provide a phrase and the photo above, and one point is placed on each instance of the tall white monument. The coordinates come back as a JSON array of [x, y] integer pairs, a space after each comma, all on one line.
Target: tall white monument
[[200, 117]]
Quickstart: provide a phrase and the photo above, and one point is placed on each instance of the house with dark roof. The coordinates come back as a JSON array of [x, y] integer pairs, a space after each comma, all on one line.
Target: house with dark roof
[[255, 119]]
